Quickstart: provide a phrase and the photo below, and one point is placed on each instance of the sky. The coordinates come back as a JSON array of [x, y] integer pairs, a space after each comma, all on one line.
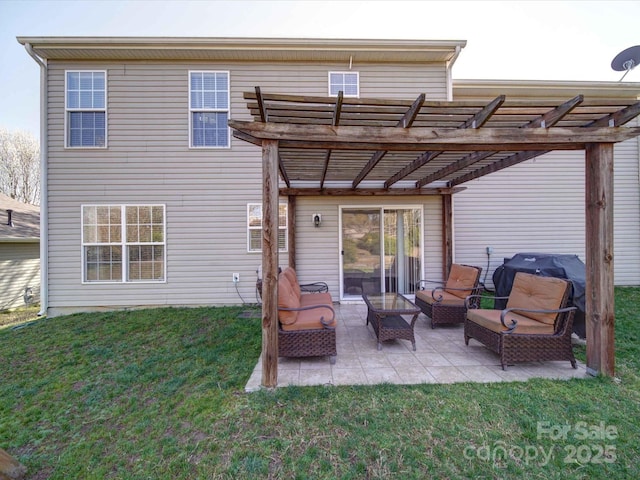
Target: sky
[[506, 40]]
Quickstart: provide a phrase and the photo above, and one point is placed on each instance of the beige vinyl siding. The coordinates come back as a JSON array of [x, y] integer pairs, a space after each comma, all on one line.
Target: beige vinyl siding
[[148, 160], [538, 206], [318, 248], [626, 217], [20, 267]]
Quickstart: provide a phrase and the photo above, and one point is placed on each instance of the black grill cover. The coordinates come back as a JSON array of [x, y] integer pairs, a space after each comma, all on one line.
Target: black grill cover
[[547, 265]]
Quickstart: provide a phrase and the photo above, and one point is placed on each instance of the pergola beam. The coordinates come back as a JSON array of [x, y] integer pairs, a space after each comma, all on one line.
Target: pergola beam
[[497, 166], [264, 117], [335, 121], [367, 192], [618, 118], [405, 122], [476, 121], [545, 120], [419, 138]]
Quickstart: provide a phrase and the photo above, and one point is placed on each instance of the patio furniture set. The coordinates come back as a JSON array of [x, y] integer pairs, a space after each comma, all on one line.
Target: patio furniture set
[[536, 324]]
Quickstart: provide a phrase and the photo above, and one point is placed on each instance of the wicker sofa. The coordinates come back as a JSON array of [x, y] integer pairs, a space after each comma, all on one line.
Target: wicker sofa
[[536, 324], [445, 304], [307, 321]]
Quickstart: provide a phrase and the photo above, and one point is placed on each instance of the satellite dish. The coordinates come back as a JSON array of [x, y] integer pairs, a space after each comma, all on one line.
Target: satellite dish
[[626, 60]]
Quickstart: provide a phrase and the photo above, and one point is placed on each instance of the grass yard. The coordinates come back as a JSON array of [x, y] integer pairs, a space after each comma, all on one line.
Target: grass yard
[[157, 394]]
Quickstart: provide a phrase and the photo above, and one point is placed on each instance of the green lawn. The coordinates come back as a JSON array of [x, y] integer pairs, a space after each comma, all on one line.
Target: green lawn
[[157, 394]]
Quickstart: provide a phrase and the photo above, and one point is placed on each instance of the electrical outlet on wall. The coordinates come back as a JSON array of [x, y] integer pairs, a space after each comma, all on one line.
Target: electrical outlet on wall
[[236, 277]]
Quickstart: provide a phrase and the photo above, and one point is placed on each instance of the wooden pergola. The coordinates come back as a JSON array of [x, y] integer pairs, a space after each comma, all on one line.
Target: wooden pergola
[[355, 146]]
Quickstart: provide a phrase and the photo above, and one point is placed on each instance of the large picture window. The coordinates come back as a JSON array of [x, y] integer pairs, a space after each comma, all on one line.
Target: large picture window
[[347, 82], [123, 243], [86, 108], [254, 227], [209, 109]]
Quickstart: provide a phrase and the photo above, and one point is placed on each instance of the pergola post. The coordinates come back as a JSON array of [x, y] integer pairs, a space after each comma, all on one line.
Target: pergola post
[[270, 263], [447, 234], [599, 259]]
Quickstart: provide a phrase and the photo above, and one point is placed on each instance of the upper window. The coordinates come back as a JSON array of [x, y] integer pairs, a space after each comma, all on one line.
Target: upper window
[[254, 226], [347, 82], [86, 107], [209, 109], [123, 243]]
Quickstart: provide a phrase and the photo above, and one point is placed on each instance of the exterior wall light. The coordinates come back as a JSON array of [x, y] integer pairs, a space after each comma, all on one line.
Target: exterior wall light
[[317, 219]]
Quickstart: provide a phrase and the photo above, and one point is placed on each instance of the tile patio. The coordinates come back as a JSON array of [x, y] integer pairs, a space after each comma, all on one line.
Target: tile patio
[[440, 357]]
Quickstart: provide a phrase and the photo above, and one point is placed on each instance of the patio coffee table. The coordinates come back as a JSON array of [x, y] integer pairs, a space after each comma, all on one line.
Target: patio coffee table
[[384, 312]]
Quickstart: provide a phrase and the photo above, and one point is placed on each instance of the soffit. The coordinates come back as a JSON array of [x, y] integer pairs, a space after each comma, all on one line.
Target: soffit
[[242, 49]]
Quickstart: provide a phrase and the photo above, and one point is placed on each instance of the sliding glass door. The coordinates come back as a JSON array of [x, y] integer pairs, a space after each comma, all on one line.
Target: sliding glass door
[[375, 263]]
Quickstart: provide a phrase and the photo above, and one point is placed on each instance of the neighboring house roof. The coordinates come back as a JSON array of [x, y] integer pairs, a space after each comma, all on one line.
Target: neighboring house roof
[[243, 49], [537, 89], [25, 219]]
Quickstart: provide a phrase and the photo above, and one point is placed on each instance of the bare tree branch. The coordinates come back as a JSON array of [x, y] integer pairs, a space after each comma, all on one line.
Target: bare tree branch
[[20, 166]]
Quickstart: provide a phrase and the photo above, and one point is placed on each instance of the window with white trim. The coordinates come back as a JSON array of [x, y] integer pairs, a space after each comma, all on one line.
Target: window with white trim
[[123, 243], [86, 108], [347, 82], [209, 109], [254, 227]]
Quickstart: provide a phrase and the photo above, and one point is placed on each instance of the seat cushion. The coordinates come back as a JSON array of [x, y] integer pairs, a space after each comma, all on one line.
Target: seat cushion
[[310, 319], [462, 277], [286, 299], [447, 298], [290, 273], [315, 299], [537, 293], [490, 319]]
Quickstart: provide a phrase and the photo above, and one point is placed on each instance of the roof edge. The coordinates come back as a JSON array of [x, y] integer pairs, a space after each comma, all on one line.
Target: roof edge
[[238, 42], [241, 48], [537, 88]]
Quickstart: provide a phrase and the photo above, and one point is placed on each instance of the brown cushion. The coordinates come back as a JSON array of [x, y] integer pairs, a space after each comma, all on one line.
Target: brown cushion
[[537, 293], [315, 299], [462, 277], [286, 299], [447, 298], [491, 319], [290, 273], [310, 319]]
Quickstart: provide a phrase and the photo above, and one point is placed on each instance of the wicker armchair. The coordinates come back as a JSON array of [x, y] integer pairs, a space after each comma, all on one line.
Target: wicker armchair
[[536, 325], [445, 304]]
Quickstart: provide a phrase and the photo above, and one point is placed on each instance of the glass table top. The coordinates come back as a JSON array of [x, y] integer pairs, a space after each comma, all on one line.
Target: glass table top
[[391, 302]]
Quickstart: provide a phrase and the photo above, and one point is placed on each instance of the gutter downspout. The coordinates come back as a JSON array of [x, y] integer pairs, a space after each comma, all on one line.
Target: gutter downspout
[[449, 75], [44, 191], [452, 206]]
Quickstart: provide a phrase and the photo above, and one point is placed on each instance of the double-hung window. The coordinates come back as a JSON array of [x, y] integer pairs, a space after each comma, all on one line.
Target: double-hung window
[[86, 108], [254, 227], [123, 243], [209, 109], [347, 82]]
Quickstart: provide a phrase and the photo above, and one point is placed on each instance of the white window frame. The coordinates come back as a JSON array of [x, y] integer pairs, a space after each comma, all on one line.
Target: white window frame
[[124, 244], [67, 111], [210, 110], [284, 228], [335, 94]]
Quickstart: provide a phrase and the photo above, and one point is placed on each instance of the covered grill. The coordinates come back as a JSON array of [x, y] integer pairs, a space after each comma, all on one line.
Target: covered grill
[[548, 265]]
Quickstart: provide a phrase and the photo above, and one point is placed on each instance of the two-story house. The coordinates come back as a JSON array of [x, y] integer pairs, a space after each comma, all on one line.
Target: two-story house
[[150, 198]]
